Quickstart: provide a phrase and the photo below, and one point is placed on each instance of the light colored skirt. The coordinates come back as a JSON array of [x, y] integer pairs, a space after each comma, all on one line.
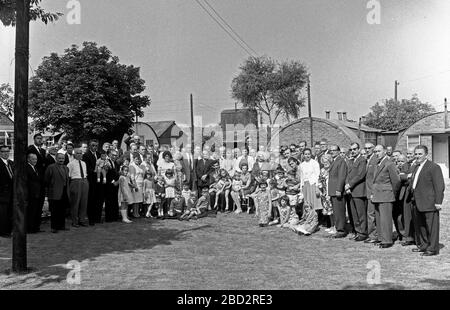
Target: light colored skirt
[[309, 194]]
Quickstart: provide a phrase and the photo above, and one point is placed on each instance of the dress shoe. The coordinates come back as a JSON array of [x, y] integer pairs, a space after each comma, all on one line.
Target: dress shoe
[[407, 243], [429, 253], [83, 225], [91, 224], [353, 237], [54, 231], [416, 250], [370, 241], [386, 245], [338, 236], [360, 238], [5, 236], [75, 225]]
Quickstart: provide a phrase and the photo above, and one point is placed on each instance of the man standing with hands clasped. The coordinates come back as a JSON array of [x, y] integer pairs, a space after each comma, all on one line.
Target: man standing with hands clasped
[[386, 184], [426, 193]]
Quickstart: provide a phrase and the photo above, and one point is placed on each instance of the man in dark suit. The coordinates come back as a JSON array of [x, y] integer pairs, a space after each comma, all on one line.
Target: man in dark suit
[[426, 192], [386, 184], [34, 183], [409, 232], [202, 171], [336, 186], [112, 188], [356, 186], [372, 162], [6, 192], [94, 210], [57, 183]]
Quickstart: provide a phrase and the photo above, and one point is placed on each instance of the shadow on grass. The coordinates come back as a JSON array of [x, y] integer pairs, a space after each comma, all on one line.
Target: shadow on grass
[[382, 286], [90, 243]]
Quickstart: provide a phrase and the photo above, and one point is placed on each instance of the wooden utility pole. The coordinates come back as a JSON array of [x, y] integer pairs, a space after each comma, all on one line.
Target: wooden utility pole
[[396, 90], [310, 113], [192, 124], [19, 259]]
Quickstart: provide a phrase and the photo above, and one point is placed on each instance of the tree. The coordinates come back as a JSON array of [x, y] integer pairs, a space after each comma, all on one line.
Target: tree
[[393, 115], [6, 99], [87, 94], [271, 87], [8, 12]]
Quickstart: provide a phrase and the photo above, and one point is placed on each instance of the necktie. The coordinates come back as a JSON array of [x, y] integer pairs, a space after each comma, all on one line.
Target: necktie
[[8, 167], [35, 171], [81, 169]]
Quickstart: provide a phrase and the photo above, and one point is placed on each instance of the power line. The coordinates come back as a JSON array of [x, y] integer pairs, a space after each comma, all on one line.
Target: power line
[[426, 76], [231, 28], [224, 29]]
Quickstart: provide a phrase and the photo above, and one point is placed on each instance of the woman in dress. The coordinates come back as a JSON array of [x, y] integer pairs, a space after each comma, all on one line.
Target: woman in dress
[[309, 176], [323, 187], [263, 202], [148, 164], [166, 163], [249, 184], [137, 177]]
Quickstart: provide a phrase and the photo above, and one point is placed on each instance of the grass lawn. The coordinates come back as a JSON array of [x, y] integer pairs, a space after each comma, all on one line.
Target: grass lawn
[[225, 253]]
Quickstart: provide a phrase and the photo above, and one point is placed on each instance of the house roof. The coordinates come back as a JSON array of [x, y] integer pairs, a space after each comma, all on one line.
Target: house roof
[[161, 127], [354, 125]]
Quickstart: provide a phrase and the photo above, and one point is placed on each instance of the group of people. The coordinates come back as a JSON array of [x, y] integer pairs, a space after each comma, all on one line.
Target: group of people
[[364, 192]]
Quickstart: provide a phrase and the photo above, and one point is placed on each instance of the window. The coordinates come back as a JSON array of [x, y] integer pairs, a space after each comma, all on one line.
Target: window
[[7, 138], [370, 137], [413, 141]]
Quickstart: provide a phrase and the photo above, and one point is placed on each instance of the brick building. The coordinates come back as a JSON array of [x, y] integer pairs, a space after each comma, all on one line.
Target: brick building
[[434, 132]]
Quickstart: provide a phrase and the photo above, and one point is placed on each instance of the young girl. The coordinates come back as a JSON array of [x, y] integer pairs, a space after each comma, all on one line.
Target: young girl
[[160, 193], [236, 192], [285, 211], [275, 196], [101, 167], [222, 186], [125, 195], [263, 203], [186, 192], [309, 221], [170, 181], [149, 193]]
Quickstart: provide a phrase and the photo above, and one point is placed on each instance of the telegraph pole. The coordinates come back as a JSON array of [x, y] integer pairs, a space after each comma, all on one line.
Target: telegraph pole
[[192, 124], [310, 113], [396, 89], [19, 259]]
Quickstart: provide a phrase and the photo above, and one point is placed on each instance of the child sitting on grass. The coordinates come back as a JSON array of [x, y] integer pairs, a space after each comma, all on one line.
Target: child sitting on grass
[[177, 205], [200, 208]]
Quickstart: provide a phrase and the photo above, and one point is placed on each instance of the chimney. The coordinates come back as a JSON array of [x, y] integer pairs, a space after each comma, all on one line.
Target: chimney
[[344, 116], [327, 114], [339, 116]]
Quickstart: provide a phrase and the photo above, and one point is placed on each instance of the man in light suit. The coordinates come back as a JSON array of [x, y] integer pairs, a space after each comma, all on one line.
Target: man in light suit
[[386, 184], [356, 186], [372, 162], [57, 182], [6, 192], [426, 192], [78, 189], [188, 161], [336, 186]]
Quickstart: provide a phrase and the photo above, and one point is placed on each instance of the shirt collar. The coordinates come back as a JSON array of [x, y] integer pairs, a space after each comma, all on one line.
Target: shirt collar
[[5, 161]]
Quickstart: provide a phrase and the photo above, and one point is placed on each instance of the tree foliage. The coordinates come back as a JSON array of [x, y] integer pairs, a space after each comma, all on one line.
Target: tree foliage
[[8, 12], [393, 115], [6, 99], [271, 87], [86, 93]]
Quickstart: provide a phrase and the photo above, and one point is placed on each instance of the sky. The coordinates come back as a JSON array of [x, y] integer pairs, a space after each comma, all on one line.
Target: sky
[[181, 50]]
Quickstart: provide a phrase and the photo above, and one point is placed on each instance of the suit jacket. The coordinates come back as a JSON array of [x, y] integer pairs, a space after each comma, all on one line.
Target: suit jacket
[[429, 188], [56, 180], [113, 173], [386, 182], [404, 171], [371, 167], [337, 177], [6, 183], [356, 176], [202, 169], [90, 161], [33, 182], [188, 168], [41, 159]]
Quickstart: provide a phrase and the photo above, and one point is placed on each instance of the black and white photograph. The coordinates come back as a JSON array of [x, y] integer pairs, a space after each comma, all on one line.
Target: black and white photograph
[[240, 147]]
